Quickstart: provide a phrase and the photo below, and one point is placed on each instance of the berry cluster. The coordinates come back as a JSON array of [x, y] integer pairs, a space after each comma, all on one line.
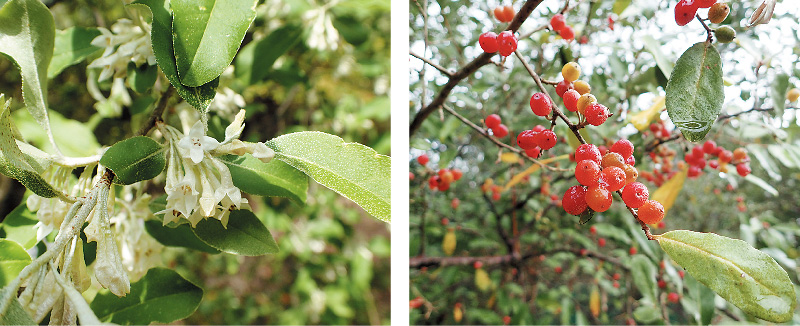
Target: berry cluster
[[577, 97], [505, 43], [494, 123], [600, 174], [697, 159], [443, 178], [489, 185], [535, 140], [559, 24], [504, 14]]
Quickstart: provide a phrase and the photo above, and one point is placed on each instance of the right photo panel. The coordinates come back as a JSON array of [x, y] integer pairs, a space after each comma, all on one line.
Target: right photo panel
[[604, 162]]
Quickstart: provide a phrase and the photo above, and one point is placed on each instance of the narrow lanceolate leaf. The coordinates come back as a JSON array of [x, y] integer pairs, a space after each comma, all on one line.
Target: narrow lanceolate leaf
[[179, 236], [746, 277], [72, 45], [161, 38], [207, 34], [16, 164], [275, 179], [161, 296], [694, 91], [13, 259], [351, 169], [644, 277], [134, 159], [243, 235], [27, 33]]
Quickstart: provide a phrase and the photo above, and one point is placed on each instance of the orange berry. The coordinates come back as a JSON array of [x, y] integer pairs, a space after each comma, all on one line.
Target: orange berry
[[612, 159], [651, 212], [598, 198]]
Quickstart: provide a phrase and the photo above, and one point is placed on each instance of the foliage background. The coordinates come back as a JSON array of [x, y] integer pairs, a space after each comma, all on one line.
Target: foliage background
[[622, 67], [333, 267]]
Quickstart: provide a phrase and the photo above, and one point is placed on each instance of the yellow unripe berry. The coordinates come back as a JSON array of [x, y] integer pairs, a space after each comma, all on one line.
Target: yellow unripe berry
[[793, 94], [584, 101], [581, 87], [571, 71]]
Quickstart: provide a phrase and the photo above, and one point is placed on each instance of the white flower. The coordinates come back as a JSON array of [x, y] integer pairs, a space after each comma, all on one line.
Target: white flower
[[183, 198], [234, 130], [195, 144], [261, 152], [227, 101], [126, 42]]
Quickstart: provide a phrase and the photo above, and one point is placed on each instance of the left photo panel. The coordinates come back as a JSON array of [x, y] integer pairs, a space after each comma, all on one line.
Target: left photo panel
[[195, 162]]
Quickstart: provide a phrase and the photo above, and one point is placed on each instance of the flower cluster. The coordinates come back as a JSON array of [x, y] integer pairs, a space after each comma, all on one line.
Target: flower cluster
[[127, 43], [138, 250], [198, 184]]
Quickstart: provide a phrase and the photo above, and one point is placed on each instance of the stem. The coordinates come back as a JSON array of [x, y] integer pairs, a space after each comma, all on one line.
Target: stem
[[85, 313], [157, 112], [708, 30], [441, 69]]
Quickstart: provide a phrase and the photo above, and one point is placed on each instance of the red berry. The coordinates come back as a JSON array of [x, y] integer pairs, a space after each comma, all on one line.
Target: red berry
[[410, 176], [662, 284], [584, 39], [508, 14], [694, 172], [709, 146], [457, 174], [587, 172], [506, 320], [623, 147], [725, 156], [498, 13], [567, 33], [443, 186], [488, 42], [422, 159], [558, 22], [593, 229], [574, 200], [631, 160], [539, 128], [635, 194], [601, 242], [558, 269], [477, 265], [540, 104], [713, 164], [632, 251], [507, 43], [598, 199], [611, 23], [739, 154], [445, 221], [616, 276], [596, 114], [697, 151], [583, 252], [501, 131], [673, 297], [615, 284], [546, 139], [455, 203], [587, 152], [684, 12], [680, 273], [492, 121], [571, 100], [433, 182], [562, 87], [416, 302], [651, 212], [527, 139], [614, 177], [533, 152], [743, 169]]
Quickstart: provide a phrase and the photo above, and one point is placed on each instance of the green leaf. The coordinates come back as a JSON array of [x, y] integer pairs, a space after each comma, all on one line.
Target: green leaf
[[647, 314], [746, 277], [780, 86], [180, 236], [13, 259], [694, 91], [161, 296], [27, 33], [72, 137], [16, 164], [353, 170], [620, 6], [207, 34], [72, 45], [161, 38], [761, 183], [244, 235], [255, 60], [16, 315], [18, 226], [662, 61], [644, 277], [134, 159], [267, 179], [141, 78]]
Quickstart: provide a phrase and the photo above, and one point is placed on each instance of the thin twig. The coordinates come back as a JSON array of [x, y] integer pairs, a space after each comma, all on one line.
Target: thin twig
[[756, 109], [661, 141], [157, 112], [441, 69], [708, 30]]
